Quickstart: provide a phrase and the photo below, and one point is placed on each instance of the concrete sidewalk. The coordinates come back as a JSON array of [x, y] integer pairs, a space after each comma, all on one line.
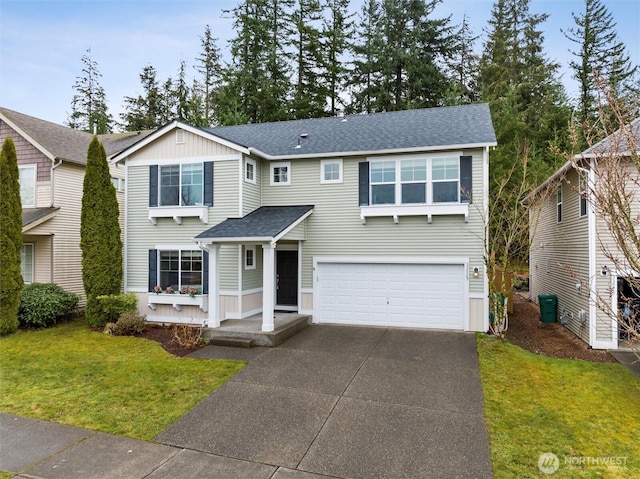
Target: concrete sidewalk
[[341, 402]]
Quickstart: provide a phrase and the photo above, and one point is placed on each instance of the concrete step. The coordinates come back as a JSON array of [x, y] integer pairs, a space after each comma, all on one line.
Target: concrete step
[[234, 342]]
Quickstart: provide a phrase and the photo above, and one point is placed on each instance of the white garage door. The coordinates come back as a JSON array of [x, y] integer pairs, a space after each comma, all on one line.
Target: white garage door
[[407, 295]]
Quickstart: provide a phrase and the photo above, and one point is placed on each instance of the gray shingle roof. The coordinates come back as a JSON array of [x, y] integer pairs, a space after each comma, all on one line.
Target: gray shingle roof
[[30, 215], [66, 143], [400, 130], [265, 222], [617, 142]]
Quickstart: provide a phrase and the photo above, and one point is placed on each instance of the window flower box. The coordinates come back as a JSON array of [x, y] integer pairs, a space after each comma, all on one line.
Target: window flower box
[[178, 300]]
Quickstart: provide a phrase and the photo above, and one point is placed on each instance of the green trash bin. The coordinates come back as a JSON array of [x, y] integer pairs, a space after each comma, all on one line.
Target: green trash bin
[[548, 307]]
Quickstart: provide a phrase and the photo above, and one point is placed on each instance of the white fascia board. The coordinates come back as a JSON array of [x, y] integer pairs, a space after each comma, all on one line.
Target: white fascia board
[[293, 225], [237, 240], [22, 133], [417, 149], [168, 128]]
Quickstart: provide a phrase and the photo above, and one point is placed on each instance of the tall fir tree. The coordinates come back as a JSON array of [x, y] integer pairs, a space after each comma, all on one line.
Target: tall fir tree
[[337, 36], [209, 67], [10, 238], [599, 51], [528, 105], [463, 67], [99, 233], [309, 91], [89, 111], [145, 111]]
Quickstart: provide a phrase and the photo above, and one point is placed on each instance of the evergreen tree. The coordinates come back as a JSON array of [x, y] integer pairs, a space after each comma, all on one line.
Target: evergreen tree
[[337, 35], [99, 233], [209, 66], [599, 52], [463, 66], [10, 238], [146, 111], [310, 92], [89, 111], [528, 105]]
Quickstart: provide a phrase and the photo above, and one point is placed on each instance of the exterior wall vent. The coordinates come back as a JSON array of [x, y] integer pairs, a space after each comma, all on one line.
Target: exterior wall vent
[[180, 137]]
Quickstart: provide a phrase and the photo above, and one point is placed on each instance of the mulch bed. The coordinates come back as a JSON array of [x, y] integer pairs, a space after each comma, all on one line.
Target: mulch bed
[[550, 339], [525, 330]]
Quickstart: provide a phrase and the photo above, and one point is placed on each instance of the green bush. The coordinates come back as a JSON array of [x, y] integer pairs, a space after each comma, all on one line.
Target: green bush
[[42, 304], [111, 306], [128, 324]]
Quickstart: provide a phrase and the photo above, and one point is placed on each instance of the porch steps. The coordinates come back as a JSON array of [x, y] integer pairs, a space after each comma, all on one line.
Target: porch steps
[[246, 333], [232, 342]]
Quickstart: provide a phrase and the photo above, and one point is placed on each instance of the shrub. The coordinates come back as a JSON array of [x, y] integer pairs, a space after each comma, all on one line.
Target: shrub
[[111, 306], [42, 304], [187, 336], [128, 324]]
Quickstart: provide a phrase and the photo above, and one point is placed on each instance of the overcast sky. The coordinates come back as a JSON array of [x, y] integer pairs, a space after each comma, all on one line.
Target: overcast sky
[[42, 42]]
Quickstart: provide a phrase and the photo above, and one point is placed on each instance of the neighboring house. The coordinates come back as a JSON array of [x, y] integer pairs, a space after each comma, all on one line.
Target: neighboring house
[[567, 256], [369, 219], [51, 162]]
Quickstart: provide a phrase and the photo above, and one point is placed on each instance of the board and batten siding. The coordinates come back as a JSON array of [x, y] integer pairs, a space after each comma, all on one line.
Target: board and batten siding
[[335, 229], [559, 257], [194, 146]]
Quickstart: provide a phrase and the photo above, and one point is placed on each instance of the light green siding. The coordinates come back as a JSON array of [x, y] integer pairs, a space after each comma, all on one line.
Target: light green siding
[[297, 233], [251, 193], [142, 235], [335, 229], [252, 278]]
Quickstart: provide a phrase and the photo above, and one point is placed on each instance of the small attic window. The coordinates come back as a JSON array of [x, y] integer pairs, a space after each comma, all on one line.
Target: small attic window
[[180, 138]]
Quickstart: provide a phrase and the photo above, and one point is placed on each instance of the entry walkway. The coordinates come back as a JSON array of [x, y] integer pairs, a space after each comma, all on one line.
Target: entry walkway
[[342, 402]]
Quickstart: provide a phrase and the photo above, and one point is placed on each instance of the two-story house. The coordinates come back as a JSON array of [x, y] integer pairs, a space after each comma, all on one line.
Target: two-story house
[[571, 244], [369, 219], [51, 162]]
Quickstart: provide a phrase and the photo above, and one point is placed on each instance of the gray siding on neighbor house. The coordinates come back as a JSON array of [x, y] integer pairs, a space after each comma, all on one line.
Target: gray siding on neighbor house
[[335, 228], [559, 258], [142, 235]]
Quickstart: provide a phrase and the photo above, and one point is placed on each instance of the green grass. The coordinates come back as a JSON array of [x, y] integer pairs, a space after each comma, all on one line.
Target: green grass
[[119, 385], [574, 409]]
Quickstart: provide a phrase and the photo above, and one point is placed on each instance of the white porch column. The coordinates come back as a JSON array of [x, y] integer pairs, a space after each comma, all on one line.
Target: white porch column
[[214, 286], [268, 285]]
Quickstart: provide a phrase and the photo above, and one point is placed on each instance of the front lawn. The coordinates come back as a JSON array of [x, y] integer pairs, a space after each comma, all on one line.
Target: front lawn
[[587, 414], [119, 385]]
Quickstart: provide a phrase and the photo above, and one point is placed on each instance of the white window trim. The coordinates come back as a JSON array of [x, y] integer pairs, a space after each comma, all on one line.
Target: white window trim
[[180, 137], [429, 181], [33, 262], [247, 162], [582, 195], [35, 181], [559, 200], [180, 165], [179, 250], [119, 184], [246, 250], [279, 164], [323, 163]]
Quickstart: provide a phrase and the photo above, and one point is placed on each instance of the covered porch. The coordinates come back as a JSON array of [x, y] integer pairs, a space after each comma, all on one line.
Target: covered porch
[[264, 227]]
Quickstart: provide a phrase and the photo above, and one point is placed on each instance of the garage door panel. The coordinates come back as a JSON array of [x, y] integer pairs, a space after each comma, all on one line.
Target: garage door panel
[[415, 295]]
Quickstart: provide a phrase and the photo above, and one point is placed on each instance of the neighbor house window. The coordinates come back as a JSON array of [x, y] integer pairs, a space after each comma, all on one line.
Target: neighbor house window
[[250, 170], [559, 203], [180, 269], [26, 265], [583, 195], [181, 185], [250, 257], [118, 183], [27, 175], [415, 181], [331, 171], [280, 173]]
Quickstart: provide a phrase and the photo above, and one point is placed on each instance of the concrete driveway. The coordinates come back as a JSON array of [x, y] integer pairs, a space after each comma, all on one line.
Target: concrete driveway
[[349, 402]]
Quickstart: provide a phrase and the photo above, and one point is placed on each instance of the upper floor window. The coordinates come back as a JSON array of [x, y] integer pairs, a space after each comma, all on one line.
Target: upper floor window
[[559, 203], [331, 171], [181, 185], [280, 173], [250, 170], [27, 178], [583, 194], [415, 181]]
